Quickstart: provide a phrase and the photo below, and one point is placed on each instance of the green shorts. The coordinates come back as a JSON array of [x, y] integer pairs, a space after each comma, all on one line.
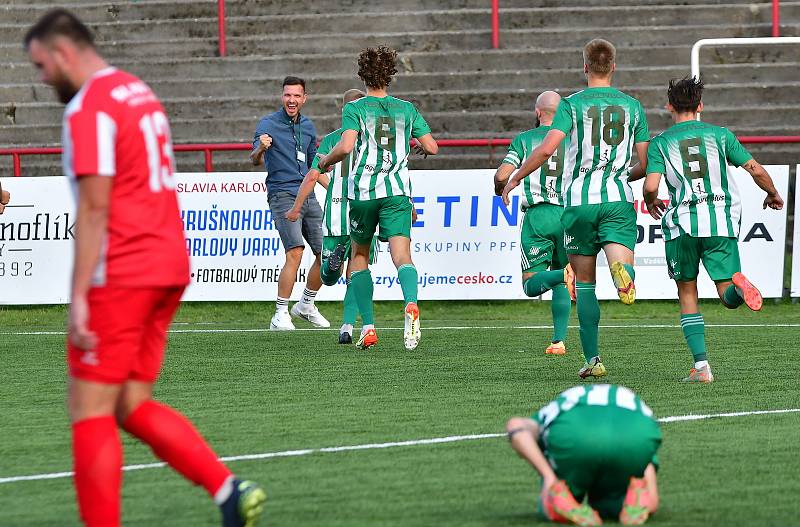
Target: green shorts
[[597, 449], [542, 238], [587, 228], [720, 257], [329, 243], [390, 216]]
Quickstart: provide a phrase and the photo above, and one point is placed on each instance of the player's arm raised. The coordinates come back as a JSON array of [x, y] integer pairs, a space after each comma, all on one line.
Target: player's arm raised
[[537, 158], [340, 151], [5, 197], [764, 181], [523, 434], [90, 228]]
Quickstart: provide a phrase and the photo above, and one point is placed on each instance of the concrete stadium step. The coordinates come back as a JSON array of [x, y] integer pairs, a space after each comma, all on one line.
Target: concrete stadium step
[[412, 41], [467, 101], [474, 62], [95, 12], [530, 80], [475, 123], [434, 20]]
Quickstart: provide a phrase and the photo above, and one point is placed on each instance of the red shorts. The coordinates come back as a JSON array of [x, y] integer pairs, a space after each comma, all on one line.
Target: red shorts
[[131, 327]]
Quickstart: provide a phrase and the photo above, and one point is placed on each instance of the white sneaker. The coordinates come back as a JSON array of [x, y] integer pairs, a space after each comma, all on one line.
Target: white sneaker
[[281, 321], [312, 315], [411, 331]]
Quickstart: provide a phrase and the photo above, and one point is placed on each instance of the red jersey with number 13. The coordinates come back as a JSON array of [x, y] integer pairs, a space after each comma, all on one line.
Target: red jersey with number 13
[[116, 127]]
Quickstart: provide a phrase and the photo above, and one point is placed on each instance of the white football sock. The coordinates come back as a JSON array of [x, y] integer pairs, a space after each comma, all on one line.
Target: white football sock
[[346, 328], [282, 305], [224, 491], [699, 365]]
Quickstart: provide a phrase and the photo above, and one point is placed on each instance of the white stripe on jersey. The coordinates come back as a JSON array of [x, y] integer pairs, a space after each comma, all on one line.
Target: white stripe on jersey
[[106, 145], [673, 159], [401, 147]]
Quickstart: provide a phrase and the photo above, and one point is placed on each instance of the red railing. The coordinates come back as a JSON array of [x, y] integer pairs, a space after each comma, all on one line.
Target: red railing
[[221, 27], [495, 24], [208, 149], [776, 18]]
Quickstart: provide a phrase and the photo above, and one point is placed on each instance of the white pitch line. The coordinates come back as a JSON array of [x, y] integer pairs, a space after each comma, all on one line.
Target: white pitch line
[[434, 328], [373, 446]]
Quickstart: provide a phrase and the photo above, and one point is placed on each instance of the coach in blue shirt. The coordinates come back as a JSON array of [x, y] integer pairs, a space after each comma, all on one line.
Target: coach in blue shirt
[[286, 142]]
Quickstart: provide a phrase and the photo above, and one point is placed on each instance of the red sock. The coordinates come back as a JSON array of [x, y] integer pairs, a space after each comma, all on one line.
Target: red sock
[[173, 439], [97, 452]]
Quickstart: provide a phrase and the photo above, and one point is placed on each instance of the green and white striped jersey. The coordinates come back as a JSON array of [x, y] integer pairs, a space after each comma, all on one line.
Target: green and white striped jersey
[[602, 124], [694, 158], [592, 395], [385, 125], [337, 211], [544, 184]]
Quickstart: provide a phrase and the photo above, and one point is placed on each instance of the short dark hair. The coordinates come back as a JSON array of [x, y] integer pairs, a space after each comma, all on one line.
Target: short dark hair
[[685, 94], [60, 22], [291, 80], [599, 56], [376, 66]]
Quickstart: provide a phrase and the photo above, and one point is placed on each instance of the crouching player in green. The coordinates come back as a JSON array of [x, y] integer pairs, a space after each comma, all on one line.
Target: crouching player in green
[[704, 213], [541, 235], [335, 222], [595, 449], [378, 129]]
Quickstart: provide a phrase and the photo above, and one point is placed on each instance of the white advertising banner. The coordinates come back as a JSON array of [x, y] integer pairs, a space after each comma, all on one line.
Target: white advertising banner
[[465, 242], [796, 238]]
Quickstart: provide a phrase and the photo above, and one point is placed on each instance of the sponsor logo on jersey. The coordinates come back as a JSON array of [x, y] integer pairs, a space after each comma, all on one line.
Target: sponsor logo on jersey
[[568, 240]]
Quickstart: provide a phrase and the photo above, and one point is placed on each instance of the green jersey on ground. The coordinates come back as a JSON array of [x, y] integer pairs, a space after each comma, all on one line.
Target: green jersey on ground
[[335, 220], [602, 124], [385, 125], [694, 157], [544, 184], [606, 395], [596, 438]]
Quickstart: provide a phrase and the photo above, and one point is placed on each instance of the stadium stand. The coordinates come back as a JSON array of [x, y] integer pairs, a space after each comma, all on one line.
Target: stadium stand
[[447, 66]]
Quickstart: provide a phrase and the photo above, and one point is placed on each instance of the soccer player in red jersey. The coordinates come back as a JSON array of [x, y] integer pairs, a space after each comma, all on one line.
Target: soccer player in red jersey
[[130, 270]]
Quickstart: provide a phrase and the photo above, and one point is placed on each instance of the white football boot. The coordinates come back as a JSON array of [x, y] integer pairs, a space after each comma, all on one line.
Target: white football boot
[[312, 315], [281, 321]]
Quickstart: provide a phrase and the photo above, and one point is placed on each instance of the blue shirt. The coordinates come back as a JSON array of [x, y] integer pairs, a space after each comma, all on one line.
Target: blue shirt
[[285, 171]]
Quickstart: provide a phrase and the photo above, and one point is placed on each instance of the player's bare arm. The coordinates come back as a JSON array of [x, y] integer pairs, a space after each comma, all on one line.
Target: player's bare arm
[[639, 170], [762, 179], [340, 151], [305, 190], [504, 172], [523, 434], [428, 145], [257, 155], [5, 197], [655, 206], [537, 158], [90, 228]]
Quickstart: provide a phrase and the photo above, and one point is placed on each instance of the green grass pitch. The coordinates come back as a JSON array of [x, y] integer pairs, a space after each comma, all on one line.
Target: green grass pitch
[[254, 392]]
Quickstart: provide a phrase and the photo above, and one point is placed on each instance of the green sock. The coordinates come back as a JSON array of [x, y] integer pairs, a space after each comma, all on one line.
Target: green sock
[[560, 306], [588, 318], [631, 272], [350, 306], [542, 282], [732, 298], [329, 277], [407, 276], [694, 330], [361, 283]]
